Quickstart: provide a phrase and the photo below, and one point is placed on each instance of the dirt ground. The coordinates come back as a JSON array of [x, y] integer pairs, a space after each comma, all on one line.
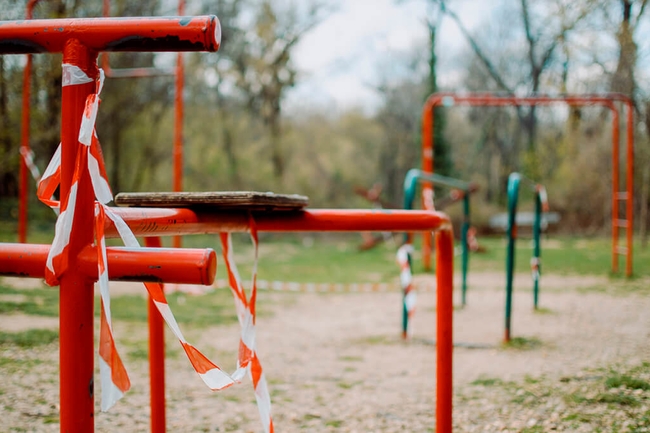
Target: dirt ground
[[335, 362]]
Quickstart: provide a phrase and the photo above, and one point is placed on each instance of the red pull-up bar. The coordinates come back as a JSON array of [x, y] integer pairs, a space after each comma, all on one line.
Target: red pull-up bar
[[171, 34], [606, 100]]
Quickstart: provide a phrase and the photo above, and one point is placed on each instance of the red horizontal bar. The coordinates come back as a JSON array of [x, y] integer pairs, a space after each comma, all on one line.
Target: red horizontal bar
[[491, 99], [182, 266], [201, 33], [181, 221]]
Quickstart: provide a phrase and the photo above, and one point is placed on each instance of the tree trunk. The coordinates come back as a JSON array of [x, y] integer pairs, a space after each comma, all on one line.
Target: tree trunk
[[623, 79], [277, 157]]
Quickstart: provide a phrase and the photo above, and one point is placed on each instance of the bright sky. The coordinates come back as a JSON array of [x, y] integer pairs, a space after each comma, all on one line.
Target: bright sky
[[348, 52]]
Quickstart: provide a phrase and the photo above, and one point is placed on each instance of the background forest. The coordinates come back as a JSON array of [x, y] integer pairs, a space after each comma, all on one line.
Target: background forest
[[238, 134]]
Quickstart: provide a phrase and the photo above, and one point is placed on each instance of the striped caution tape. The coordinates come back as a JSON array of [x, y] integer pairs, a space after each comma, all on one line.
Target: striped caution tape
[[301, 287], [535, 263], [245, 307], [28, 157], [406, 280], [113, 376], [543, 197]]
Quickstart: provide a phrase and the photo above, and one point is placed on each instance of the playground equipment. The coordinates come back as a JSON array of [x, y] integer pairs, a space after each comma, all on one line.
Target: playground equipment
[[156, 329], [541, 205], [462, 191], [76, 259], [606, 100], [27, 163]]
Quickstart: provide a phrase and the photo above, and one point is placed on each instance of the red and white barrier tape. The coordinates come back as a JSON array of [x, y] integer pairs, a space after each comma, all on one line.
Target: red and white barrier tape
[[300, 287], [28, 157], [406, 279], [248, 359], [543, 197], [534, 268], [113, 376]]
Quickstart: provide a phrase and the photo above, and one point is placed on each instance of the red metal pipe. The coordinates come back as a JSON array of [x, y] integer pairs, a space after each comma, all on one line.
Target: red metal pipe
[[24, 142], [202, 33], [186, 266], [24, 147], [157, 358], [178, 124], [172, 222], [76, 299], [444, 329], [495, 100]]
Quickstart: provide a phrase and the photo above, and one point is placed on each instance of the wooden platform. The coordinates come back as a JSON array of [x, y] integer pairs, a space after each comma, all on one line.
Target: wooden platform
[[225, 200]]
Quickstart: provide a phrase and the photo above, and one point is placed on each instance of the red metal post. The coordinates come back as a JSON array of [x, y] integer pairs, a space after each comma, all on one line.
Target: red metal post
[[630, 185], [444, 337], [616, 126], [156, 359], [178, 124], [428, 120], [76, 298], [24, 141], [24, 150]]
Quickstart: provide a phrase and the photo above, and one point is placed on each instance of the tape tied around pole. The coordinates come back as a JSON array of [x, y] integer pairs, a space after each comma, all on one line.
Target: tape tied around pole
[[543, 197], [535, 263], [113, 376], [406, 280]]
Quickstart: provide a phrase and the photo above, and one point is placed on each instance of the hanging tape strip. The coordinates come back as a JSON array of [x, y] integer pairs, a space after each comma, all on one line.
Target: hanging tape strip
[[406, 279], [247, 358], [28, 157]]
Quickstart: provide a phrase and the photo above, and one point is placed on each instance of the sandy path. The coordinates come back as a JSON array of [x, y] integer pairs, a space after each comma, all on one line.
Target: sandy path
[[334, 362]]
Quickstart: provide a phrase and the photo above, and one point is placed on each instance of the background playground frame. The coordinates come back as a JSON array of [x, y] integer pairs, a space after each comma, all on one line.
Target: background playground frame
[[607, 100]]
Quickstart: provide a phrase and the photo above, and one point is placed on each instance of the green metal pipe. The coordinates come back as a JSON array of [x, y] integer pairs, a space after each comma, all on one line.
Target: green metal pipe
[[514, 181], [463, 234], [513, 195], [410, 188], [536, 263]]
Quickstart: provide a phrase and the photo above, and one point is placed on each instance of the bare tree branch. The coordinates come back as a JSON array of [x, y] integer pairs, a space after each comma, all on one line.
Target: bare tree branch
[[476, 48]]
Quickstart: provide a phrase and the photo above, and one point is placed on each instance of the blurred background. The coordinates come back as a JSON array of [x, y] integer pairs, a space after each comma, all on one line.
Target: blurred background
[[321, 97]]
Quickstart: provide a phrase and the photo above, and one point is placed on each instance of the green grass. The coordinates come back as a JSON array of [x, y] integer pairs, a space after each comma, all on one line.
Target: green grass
[[560, 255], [29, 338], [625, 381], [522, 343], [36, 302], [586, 401], [336, 259], [214, 308], [487, 381]]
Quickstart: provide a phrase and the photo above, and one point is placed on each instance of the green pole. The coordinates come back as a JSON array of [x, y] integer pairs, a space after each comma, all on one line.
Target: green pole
[[410, 186], [513, 194], [536, 247], [464, 231]]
